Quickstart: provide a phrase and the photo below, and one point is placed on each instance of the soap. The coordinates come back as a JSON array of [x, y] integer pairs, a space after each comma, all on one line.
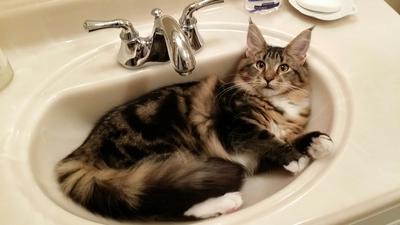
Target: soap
[[6, 72], [322, 6]]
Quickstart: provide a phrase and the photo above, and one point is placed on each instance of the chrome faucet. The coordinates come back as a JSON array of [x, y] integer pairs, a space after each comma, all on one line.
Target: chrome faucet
[[169, 40]]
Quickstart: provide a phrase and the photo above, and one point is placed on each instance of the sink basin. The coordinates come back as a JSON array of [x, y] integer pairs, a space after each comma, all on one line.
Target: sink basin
[[67, 107]]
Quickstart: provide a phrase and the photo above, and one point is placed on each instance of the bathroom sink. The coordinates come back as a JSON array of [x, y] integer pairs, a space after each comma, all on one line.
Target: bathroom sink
[[67, 107], [66, 78]]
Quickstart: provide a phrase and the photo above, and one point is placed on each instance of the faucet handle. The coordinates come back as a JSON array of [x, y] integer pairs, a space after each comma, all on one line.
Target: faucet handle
[[187, 14], [157, 13], [128, 32], [188, 22]]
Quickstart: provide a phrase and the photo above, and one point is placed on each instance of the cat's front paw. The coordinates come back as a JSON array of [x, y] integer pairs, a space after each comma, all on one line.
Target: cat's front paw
[[299, 165], [320, 146]]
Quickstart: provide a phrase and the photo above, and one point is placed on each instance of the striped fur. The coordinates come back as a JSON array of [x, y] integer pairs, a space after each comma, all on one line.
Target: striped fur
[[160, 154]]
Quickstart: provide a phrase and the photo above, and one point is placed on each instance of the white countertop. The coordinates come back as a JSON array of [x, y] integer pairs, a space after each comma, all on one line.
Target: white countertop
[[365, 176]]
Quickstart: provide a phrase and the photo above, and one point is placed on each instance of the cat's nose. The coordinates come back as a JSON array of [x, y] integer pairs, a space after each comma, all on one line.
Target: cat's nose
[[269, 79]]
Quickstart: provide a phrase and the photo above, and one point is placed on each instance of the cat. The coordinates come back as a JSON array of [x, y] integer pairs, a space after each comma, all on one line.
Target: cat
[[182, 152]]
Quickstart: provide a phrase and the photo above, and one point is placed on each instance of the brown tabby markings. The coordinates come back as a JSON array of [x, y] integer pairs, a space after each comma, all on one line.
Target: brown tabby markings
[[203, 108]]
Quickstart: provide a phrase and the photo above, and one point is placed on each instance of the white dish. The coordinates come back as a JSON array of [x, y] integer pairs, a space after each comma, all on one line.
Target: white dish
[[326, 6], [347, 8]]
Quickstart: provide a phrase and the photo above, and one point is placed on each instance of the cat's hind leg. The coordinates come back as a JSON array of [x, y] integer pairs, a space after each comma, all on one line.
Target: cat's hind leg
[[177, 187], [227, 181], [229, 202]]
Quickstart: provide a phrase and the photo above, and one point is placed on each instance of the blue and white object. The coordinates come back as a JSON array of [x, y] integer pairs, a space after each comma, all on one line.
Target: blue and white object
[[262, 6]]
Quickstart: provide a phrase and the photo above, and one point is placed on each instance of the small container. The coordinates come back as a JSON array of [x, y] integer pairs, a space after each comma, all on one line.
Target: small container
[[262, 6], [6, 72]]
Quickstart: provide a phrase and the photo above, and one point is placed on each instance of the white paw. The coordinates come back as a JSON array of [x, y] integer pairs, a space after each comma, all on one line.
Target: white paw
[[212, 207], [320, 147], [298, 166]]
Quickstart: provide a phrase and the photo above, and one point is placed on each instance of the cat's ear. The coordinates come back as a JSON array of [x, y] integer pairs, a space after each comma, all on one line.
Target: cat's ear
[[255, 40], [298, 47]]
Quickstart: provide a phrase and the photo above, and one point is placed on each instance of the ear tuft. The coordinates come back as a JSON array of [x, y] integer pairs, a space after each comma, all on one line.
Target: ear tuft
[[298, 47], [255, 40]]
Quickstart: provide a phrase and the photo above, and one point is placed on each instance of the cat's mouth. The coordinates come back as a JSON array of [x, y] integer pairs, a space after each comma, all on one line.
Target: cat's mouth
[[268, 90], [269, 86]]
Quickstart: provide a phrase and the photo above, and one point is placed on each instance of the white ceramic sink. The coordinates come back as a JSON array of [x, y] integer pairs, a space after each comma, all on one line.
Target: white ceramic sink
[[68, 107], [65, 79]]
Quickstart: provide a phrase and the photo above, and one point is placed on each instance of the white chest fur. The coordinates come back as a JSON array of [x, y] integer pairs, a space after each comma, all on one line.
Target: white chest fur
[[291, 109]]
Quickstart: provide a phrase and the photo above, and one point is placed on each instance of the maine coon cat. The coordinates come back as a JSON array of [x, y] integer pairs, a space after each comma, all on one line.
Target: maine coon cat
[[183, 151]]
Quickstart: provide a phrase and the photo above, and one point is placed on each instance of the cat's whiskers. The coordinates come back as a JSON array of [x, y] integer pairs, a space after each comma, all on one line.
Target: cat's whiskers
[[236, 87], [226, 91], [291, 87]]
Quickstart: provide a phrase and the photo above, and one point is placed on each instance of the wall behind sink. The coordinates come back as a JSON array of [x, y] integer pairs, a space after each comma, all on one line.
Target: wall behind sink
[[12, 4], [29, 22]]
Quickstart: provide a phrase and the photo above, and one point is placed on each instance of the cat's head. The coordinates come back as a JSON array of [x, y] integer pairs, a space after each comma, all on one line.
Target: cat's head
[[269, 70]]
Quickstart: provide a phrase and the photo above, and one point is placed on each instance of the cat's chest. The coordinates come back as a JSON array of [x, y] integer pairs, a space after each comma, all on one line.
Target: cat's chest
[[295, 110], [288, 118]]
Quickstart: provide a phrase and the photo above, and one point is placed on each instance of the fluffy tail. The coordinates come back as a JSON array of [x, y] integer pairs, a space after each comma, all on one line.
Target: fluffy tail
[[152, 189]]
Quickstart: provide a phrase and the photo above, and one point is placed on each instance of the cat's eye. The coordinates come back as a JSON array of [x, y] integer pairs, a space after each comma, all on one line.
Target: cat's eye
[[260, 64], [283, 68]]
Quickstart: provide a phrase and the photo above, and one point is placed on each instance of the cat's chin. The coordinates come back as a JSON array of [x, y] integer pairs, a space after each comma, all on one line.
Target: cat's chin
[[268, 92]]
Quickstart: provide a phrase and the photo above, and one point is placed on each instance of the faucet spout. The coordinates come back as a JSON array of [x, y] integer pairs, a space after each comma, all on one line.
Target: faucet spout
[[178, 47]]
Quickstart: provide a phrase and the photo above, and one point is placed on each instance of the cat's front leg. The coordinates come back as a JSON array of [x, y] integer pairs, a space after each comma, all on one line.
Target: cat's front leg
[[271, 151], [274, 152], [296, 156], [287, 156], [315, 144]]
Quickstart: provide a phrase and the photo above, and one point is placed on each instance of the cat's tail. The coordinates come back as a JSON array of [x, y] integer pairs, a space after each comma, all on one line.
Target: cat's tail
[[155, 188]]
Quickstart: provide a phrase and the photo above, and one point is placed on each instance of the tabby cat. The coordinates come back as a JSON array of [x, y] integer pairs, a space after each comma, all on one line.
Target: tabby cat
[[182, 152]]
